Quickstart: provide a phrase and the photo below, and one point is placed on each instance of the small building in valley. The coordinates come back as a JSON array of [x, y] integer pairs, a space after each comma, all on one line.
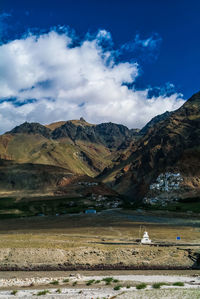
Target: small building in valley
[[145, 239]]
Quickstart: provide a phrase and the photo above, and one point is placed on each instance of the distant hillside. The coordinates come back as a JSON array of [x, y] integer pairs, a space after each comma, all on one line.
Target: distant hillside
[[76, 145]]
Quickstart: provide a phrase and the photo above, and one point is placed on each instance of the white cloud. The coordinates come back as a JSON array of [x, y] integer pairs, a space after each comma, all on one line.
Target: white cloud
[[68, 82]]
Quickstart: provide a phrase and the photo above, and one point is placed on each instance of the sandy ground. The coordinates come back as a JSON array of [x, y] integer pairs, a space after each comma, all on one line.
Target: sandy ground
[[191, 288]]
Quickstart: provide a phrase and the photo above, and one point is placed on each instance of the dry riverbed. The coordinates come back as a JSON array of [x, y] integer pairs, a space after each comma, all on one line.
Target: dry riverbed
[[80, 285]]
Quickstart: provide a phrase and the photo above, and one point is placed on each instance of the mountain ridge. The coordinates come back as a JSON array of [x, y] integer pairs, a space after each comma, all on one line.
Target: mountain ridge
[[164, 148], [76, 145]]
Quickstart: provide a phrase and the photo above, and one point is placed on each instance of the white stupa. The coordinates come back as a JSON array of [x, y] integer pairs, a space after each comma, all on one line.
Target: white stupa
[[145, 239]]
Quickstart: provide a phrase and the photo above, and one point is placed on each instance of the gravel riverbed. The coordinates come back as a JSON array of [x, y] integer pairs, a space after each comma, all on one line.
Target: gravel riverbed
[[75, 286]]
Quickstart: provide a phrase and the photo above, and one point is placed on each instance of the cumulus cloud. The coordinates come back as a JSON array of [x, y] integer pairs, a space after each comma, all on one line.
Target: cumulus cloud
[[46, 78]]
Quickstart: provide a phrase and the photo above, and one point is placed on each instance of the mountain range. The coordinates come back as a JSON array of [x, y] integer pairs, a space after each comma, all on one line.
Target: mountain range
[[159, 163], [76, 145]]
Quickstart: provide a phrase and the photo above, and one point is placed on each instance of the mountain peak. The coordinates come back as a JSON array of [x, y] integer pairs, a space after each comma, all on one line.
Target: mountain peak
[[82, 119], [191, 107], [31, 128], [195, 97]]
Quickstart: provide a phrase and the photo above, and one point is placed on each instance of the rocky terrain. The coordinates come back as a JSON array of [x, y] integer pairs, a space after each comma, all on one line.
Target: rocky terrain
[[154, 121], [137, 257], [49, 160], [76, 145], [171, 145]]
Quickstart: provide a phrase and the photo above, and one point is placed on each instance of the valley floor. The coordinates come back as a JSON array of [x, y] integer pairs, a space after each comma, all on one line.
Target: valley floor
[[104, 241]]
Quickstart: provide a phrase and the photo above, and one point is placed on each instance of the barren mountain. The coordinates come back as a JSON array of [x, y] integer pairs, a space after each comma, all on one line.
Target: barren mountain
[[76, 145], [58, 162], [165, 163]]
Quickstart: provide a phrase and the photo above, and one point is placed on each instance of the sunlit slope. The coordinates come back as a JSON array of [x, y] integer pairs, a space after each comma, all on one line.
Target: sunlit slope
[[76, 145], [82, 158]]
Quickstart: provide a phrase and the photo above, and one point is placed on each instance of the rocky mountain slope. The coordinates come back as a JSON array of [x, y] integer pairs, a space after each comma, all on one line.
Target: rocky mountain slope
[[169, 149], [154, 121], [109, 134], [53, 160], [76, 145]]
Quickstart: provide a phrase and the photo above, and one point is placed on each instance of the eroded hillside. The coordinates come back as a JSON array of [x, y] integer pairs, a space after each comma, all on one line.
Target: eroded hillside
[[78, 146], [172, 146]]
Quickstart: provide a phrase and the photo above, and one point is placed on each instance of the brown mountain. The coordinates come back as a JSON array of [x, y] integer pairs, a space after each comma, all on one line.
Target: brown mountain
[[76, 145], [165, 163], [45, 159], [154, 121]]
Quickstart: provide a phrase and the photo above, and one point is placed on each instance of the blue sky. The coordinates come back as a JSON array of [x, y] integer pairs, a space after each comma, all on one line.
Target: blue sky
[[152, 47]]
